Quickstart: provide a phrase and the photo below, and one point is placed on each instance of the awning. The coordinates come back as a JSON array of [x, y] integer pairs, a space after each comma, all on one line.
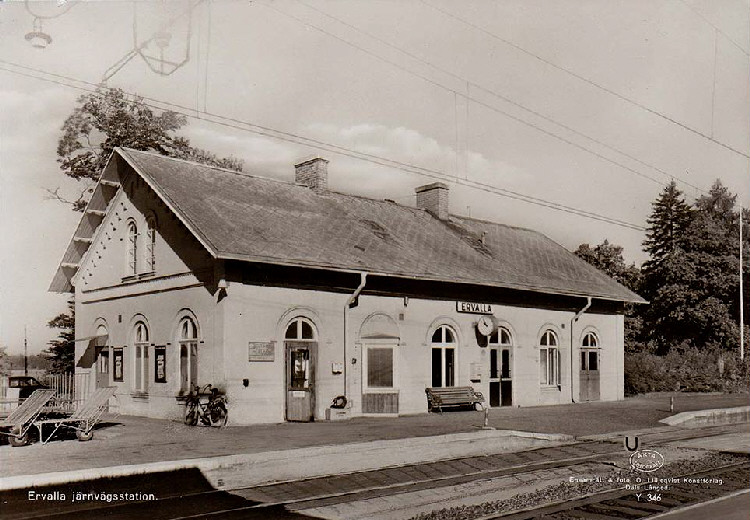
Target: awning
[[97, 341]]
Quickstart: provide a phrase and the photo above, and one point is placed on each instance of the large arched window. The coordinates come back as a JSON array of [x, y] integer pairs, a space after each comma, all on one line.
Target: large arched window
[[151, 244], [549, 359], [443, 357], [299, 332], [132, 248], [188, 341], [141, 343], [589, 352]]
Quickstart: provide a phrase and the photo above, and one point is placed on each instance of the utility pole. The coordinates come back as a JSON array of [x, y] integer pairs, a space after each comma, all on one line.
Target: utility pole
[[25, 353], [742, 299]]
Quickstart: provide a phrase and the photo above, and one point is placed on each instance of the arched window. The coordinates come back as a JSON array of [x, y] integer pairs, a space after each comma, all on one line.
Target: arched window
[[132, 248], [589, 352], [151, 245], [300, 329], [500, 341], [188, 341], [549, 359], [141, 344], [443, 357], [299, 363]]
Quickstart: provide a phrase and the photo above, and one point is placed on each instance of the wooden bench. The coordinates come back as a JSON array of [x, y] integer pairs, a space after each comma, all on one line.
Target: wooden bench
[[437, 398]]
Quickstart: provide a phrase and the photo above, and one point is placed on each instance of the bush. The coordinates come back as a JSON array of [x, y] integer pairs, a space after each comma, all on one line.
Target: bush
[[688, 369]]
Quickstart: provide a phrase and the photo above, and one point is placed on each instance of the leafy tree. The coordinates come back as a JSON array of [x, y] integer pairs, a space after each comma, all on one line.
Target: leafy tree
[[4, 361], [109, 118], [62, 350], [608, 258]]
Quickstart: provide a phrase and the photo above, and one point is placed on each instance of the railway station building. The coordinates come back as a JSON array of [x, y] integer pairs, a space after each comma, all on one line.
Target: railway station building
[[287, 295]]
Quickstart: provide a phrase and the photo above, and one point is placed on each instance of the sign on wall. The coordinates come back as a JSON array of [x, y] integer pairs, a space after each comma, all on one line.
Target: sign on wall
[[117, 355], [261, 350], [474, 308], [160, 364]]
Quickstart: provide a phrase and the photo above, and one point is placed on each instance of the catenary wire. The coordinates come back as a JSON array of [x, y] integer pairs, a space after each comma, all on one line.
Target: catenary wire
[[587, 80], [507, 100], [313, 143]]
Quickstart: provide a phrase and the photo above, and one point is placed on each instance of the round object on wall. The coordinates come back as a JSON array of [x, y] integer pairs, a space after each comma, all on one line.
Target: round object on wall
[[486, 325]]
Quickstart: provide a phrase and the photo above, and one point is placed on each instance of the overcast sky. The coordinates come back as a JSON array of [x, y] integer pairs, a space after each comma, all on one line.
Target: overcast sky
[[594, 105]]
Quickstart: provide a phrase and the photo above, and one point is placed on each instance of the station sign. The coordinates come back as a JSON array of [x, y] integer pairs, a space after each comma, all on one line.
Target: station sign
[[473, 308]]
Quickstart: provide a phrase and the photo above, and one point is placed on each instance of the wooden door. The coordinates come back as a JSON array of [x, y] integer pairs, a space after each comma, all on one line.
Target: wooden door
[[102, 367], [501, 383], [300, 380], [589, 375]]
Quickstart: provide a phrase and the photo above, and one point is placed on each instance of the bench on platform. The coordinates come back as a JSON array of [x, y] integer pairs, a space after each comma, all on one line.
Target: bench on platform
[[437, 398]]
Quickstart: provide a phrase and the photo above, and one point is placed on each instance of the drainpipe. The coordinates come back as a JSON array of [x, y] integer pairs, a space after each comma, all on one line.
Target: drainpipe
[[572, 321], [349, 302]]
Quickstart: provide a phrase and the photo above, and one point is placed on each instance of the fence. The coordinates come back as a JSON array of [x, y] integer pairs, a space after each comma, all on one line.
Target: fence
[[71, 389]]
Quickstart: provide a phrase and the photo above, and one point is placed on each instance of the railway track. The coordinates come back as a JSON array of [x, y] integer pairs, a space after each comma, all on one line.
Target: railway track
[[630, 504], [290, 499]]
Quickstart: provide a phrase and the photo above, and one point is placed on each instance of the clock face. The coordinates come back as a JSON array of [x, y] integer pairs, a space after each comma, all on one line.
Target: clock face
[[485, 325]]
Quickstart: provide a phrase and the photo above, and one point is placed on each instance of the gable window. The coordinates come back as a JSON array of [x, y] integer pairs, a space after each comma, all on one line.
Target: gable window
[[140, 340], [151, 245], [549, 359], [443, 357], [188, 340], [132, 249]]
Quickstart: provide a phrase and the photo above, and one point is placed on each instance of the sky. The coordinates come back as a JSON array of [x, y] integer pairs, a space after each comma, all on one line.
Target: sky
[[585, 104]]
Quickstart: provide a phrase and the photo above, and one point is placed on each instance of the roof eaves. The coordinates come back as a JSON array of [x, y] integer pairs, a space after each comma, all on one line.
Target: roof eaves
[[415, 276]]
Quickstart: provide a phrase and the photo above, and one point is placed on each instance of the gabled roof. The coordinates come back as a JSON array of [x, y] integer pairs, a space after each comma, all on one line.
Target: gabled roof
[[243, 217]]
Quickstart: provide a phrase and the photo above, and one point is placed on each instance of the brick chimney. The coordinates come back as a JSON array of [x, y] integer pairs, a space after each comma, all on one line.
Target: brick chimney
[[433, 198], [312, 173]]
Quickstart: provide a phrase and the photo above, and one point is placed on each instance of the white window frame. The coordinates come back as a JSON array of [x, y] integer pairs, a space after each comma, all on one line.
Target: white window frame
[[150, 248], [549, 347], [379, 344], [444, 345], [187, 331], [140, 356], [593, 346], [298, 321], [501, 345], [132, 246]]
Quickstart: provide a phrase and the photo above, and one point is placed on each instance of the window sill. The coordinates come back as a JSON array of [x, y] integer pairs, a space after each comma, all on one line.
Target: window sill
[[377, 390], [139, 395], [550, 388]]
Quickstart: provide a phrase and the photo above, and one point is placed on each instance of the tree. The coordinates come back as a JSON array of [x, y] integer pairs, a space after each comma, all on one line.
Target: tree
[[62, 350], [608, 258], [693, 286], [109, 118], [669, 219]]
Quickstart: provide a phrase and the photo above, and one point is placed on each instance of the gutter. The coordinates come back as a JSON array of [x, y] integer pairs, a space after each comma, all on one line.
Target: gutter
[[349, 303], [572, 321]]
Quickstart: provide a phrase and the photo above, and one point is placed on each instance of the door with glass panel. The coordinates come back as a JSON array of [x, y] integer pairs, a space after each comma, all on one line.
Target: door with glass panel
[[589, 368], [501, 359], [300, 348]]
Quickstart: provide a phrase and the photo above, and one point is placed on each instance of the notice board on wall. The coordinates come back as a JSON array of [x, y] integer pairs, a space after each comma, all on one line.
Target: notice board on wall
[[261, 350]]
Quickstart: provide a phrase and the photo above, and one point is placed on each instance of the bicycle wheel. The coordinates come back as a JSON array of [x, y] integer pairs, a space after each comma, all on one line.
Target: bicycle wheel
[[219, 415], [191, 414]]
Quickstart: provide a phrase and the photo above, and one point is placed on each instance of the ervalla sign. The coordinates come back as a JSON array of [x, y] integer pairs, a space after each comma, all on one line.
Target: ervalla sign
[[474, 308]]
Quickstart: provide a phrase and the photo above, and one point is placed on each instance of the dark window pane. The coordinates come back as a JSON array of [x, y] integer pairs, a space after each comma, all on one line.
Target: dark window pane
[[380, 367], [291, 331], [543, 341], [506, 364], [583, 360], [449, 338], [593, 360], [493, 363], [552, 339], [493, 337], [437, 367], [437, 336], [543, 366], [449, 366], [505, 337], [307, 331]]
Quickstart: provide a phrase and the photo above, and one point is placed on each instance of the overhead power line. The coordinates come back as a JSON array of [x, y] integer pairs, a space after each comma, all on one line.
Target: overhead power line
[[508, 100], [316, 144], [587, 80], [725, 35]]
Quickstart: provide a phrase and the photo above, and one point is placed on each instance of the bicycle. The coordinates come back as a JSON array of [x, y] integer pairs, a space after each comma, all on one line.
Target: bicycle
[[211, 413]]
